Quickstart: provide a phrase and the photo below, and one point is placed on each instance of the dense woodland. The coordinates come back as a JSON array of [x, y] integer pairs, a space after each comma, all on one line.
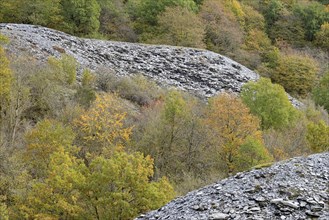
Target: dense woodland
[[106, 147]]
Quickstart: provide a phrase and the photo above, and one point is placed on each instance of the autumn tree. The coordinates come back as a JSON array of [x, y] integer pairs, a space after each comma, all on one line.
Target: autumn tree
[[223, 32], [180, 27], [295, 72], [6, 75], [101, 128], [318, 136], [231, 126], [119, 187], [115, 20], [45, 139], [57, 196], [171, 132], [269, 102]]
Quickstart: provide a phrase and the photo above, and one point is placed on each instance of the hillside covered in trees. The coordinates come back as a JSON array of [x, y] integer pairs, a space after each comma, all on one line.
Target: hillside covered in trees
[[99, 146]]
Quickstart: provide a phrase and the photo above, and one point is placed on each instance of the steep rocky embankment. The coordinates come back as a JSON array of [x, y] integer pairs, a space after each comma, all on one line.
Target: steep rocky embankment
[[293, 189], [202, 72]]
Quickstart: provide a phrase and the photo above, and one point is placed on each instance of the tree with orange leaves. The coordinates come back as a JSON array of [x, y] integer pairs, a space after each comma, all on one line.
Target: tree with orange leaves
[[231, 126]]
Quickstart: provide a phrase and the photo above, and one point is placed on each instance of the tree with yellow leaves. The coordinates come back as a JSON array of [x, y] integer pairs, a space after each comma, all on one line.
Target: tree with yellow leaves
[[5, 76], [231, 126], [101, 128], [119, 187], [57, 196], [44, 140]]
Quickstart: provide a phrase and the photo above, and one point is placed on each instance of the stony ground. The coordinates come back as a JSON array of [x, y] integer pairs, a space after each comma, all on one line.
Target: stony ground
[[199, 71], [293, 189]]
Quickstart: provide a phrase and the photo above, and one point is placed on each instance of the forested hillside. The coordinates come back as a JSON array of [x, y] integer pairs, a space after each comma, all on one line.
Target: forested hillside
[[99, 146]]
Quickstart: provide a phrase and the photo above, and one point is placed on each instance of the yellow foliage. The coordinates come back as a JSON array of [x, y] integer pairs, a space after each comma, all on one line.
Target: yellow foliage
[[257, 40], [236, 8], [42, 141], [296, 73], [5, 77], [318, 136], [101, 128]]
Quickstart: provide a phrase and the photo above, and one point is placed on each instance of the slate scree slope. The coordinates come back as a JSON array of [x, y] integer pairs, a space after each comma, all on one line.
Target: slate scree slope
[[199, 71], [288, 190], [294, 189]]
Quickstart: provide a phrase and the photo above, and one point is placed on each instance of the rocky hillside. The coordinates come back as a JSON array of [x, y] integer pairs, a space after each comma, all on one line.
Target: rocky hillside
[[293, 189], [202, 72]]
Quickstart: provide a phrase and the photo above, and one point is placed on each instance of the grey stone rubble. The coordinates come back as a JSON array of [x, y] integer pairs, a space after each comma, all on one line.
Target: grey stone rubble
[[201, 72], [288, 190]]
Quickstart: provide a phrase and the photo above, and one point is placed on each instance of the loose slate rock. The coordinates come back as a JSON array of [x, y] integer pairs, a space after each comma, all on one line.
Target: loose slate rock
[[273, 198], [201, 72]]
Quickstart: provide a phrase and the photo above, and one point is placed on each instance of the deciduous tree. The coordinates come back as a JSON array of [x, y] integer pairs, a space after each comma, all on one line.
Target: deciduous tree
[[101, 129], [120, 187], [270, 103], [318, 136], [231, 125], [321, 92], [45, 139], [180, 27]]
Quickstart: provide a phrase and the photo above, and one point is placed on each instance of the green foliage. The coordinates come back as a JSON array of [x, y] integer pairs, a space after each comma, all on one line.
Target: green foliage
[[42, 12], [119, 187], [253, 19], [270, 103], [86, 94], [4, 212], [172, 133], [272, 11], [318, 136], [252, 153], [149, 9], [321, 92], [64, 69], [50, 90], [313, 16], [289, 28], [87, 78], [81, 16]]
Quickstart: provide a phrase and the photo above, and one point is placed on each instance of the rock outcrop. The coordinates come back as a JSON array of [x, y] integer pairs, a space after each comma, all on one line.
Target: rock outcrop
[[293, 189], [199, 71]]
